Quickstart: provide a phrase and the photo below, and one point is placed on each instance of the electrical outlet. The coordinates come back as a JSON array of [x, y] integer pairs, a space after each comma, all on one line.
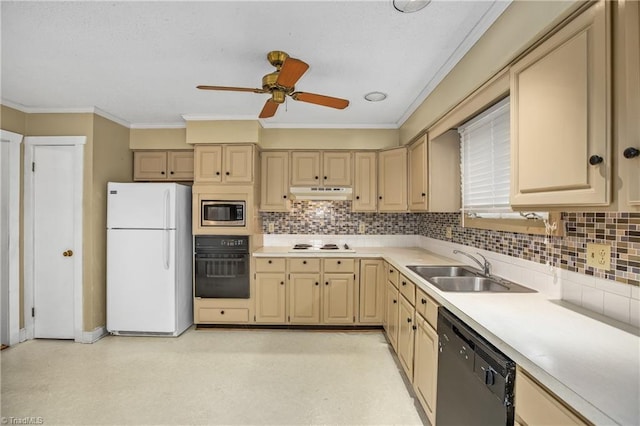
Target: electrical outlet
[[448, 232], [271, 227], [362, 228], [599, 256]]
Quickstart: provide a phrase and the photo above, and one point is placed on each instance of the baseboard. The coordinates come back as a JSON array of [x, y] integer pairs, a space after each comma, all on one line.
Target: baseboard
[[92, 336]]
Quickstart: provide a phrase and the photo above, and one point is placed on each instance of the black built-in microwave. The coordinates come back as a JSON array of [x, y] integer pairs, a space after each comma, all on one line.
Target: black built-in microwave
[[222, 213]]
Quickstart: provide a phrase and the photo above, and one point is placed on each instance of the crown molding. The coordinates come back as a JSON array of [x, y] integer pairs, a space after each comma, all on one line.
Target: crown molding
[[72, 110], [158, 126], [266, 125], [214, 117]]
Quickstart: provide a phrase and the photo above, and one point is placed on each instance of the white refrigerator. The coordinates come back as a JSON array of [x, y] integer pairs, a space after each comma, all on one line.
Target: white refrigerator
[[149, 259]]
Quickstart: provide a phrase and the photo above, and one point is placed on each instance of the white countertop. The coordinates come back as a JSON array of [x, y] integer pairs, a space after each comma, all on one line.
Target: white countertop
[[593, 364]]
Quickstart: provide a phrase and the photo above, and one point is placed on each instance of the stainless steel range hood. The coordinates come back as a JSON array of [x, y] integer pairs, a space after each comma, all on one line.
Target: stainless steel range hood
[[320, 193]]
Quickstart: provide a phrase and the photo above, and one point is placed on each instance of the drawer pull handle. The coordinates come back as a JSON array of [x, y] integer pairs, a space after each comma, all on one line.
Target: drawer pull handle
[[270, 262], [221, 312], [339, 262], [424, 301]]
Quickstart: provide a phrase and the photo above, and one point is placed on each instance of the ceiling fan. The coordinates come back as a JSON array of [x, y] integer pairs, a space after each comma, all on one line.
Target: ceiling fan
[[280, 84]]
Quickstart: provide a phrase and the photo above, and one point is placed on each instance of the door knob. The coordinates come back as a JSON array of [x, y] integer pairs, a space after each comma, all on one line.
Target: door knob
[[67, 253]]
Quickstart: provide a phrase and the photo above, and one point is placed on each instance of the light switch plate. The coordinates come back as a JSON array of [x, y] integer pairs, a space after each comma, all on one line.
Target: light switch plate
[[599, 256]]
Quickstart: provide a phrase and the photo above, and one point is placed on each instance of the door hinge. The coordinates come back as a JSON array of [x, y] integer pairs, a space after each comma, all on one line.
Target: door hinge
[[254, 276], [33, 312], [254, 318], [289, 277], [354, 276], [288, 318], [33, 166]]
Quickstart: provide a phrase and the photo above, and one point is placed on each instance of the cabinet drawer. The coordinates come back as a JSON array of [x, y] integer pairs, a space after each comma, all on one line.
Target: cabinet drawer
[[272, 264], [339, 265], [427, 307], [304, 265], [223, 315], [407, 289], [534, 405], [392, 275]]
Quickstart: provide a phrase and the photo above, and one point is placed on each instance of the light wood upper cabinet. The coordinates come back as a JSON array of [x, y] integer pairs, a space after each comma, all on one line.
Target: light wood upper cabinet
[[321, 168], [628, 98], [274, 182], [434, 173], [560, 116], [163, 165], [365, 182], [392, 180], [372, 282], [229, 163]]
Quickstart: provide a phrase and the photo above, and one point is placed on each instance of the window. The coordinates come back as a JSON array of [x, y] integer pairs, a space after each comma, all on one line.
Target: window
[[486, 174]]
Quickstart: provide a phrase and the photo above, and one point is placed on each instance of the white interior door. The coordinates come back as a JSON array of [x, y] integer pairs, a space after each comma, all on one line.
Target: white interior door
[[53, 241], [4, 243]]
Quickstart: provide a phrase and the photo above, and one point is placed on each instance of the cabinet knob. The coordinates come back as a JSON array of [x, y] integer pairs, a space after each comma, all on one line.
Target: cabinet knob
[[325, 178], [327, 283], [357, 197], [227, 173], [424, 301], [171, 172], [424, 195], [217, 173], [595, 159], [395, 301], [380, 197], [161, 173], [281, 282], [284, 196], [339, 262], [414, 327], [317, 283], [404, 283], [269, 262], [409, 320], [221, 312], [391, 271], [304, 262], [316, 177], [631, 152]]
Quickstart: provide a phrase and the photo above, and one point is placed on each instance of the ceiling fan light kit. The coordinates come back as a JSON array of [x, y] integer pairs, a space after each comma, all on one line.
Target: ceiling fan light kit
[[281, 83]]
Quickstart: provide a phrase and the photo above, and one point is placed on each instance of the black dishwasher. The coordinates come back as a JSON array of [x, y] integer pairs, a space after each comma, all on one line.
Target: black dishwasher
[[475, 379]]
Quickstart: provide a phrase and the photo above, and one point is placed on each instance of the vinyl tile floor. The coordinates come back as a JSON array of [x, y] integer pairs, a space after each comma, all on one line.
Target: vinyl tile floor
[[213, 376]]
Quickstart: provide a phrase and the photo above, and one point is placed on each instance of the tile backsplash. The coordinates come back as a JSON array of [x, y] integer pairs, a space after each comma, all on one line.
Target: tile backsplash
[[620, 230]]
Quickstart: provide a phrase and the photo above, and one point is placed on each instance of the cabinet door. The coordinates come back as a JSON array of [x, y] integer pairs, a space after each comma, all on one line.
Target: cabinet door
[[405, 336], [391, 315], [238, 163], [305, 168], [365, 185], [149, 165], [560, 108], [270, 298], [336, 167], [274, 182], [180, 165], [629, 95], [443, 179], [337, 299], [418, 175], [304, 299], [425, 367], [371, 292], [392, 180], [208, 164]]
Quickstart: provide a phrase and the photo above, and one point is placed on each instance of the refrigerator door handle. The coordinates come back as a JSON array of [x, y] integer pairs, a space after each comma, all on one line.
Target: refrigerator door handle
[[166, 209], [165, 248]]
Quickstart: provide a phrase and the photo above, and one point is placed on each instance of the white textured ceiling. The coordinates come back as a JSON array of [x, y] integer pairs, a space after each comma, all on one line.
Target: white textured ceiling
[[140, 61]]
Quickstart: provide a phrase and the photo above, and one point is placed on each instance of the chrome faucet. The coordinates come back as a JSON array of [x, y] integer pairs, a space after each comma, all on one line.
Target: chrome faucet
[[486, 266]]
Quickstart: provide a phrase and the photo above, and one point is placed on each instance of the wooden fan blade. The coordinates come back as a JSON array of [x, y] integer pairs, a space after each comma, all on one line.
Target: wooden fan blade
[[323, 100], [232, 89], [269, 109], [291, 71]]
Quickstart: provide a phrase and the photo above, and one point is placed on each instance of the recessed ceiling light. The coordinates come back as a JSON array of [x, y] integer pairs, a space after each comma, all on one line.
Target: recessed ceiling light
[[410, 6], [375, 96]]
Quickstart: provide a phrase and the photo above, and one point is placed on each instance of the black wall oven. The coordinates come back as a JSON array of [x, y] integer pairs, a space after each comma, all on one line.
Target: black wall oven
[[221, 267]]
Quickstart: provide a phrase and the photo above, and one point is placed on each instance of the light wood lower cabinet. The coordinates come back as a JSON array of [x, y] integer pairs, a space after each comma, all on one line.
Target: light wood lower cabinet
[[304, 298], [537, 406], [270, 298], [425, 367], [337, 299], [372, 302], [406, 333], [391, 315]]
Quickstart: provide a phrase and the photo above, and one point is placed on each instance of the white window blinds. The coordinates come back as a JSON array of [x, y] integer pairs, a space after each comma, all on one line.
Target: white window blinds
[[485, 158]]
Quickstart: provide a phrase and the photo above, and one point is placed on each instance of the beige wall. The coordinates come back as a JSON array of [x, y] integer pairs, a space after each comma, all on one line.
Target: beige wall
[[13, 120], [521, 23], [328, 138], [112, 161], [159, 139]]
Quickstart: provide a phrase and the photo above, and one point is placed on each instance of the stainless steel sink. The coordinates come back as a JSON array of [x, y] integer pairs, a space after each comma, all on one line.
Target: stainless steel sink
[[465, 279], [427, 272]]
